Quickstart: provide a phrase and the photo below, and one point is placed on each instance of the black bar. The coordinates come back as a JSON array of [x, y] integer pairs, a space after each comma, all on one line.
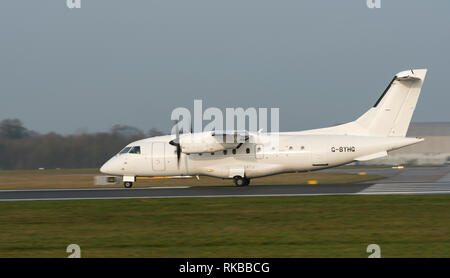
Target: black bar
[[223, 267]]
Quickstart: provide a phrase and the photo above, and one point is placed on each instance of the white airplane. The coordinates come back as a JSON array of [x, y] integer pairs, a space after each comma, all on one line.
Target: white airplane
[[380, 130]]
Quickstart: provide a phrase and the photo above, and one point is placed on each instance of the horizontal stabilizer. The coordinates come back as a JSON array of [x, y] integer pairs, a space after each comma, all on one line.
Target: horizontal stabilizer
[[407, 75]]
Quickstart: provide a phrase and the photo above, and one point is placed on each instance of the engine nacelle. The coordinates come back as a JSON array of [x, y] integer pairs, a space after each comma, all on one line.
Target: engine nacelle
[[204, 142]]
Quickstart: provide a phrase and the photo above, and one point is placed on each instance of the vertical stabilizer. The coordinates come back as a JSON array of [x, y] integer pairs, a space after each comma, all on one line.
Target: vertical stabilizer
[[392, 113]]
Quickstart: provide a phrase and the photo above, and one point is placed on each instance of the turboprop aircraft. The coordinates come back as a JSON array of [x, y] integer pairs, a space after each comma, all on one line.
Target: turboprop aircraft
[[253, 154]]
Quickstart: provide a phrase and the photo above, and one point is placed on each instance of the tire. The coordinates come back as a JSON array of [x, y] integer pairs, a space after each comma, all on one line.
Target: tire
[[128, 184], [247, 181], [240, 181]]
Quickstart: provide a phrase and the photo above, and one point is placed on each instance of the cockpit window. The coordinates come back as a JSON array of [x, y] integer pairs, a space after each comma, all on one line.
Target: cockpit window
[[126, 150], [136, 150]]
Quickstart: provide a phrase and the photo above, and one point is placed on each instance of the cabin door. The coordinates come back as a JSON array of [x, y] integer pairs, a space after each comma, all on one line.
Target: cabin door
[[158, 156]]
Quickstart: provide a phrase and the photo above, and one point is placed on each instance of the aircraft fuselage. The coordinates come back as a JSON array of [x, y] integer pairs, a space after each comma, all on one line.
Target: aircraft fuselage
[[292, 153]]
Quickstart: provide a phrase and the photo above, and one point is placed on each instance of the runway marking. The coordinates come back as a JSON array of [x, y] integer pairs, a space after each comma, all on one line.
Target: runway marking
[[445, 178], [91, 189], [391, 188], [229, 196], [235, 195]]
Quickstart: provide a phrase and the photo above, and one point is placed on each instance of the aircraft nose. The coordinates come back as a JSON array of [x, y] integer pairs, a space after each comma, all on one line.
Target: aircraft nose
[[108, 167], [104, 168]]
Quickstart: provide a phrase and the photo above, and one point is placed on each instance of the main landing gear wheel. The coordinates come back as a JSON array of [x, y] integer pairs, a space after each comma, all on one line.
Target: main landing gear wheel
[[128, 184], [240, 181]]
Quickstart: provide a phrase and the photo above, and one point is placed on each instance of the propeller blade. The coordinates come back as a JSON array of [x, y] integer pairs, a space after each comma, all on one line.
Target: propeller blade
[[176, 143], [178, 155]]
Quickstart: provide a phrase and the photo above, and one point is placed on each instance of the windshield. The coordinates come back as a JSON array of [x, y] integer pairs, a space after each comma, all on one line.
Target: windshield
[[126, 150], [135, 150]]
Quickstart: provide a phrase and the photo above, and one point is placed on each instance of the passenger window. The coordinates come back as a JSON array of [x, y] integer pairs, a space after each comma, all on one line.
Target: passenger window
[[225, 152], [135, 150], [212, 153], [247, 150], [234, 151], [291, 148]]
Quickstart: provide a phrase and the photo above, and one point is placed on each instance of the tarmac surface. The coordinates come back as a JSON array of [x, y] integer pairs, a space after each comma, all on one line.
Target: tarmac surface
[[415, 180]]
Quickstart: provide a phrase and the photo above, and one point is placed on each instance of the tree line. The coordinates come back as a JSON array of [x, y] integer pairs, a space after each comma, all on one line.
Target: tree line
[[21, 148]]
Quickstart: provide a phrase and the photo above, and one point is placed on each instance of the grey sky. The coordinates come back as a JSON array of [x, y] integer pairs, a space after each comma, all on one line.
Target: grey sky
[[132, 62]]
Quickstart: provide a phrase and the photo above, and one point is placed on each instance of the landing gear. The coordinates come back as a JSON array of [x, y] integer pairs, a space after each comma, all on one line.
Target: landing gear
[[241, 181], [128, 181], [128, 184]]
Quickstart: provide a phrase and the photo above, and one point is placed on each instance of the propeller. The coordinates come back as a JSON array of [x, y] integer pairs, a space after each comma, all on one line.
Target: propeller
[[176, 143]]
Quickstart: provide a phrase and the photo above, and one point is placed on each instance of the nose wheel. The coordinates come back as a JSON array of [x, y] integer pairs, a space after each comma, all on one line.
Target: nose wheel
[[128, 184], [241, 181]]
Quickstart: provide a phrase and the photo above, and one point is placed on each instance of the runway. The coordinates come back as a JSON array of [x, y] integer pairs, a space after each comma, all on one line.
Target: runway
[[434, 180]]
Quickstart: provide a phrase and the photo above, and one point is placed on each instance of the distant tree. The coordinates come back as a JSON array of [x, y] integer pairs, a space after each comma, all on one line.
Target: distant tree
[[21, 148], [126, 131], [154, 132], [3, 161], [13, 129], [32, 133]]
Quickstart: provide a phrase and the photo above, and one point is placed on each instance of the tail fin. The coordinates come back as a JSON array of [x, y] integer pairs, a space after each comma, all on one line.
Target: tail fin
[[392, 113]]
